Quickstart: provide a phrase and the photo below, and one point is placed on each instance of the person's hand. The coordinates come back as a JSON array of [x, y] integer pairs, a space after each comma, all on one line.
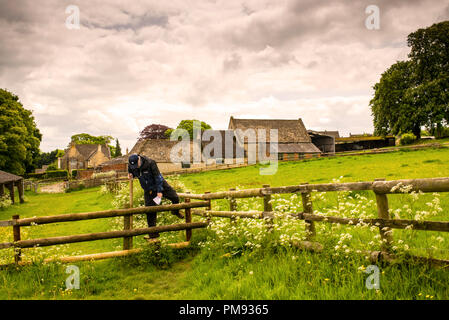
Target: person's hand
[[130, 176], [159, 194]]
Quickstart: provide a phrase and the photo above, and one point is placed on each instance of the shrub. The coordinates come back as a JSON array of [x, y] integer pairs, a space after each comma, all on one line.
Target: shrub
[[5, 201], [407, 138], [101, 175], [57, 174], [64, 174], [52, 167]]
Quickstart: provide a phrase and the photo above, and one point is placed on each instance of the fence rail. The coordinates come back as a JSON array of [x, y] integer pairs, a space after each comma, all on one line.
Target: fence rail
[[127, 234], [379, 187]]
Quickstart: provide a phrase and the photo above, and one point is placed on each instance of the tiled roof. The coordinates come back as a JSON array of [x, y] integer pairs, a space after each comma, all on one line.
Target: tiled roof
[[6, 177]]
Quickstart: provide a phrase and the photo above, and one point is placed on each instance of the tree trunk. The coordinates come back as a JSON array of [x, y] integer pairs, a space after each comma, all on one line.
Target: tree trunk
[[417, 131]]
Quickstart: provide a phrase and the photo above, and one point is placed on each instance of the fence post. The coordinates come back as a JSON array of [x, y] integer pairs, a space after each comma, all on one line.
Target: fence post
[[232, 205], [308, 208], [188, 214], [268, 209], [209, 207], [383, 213], [16, 237], [21, 190], [128, 220]]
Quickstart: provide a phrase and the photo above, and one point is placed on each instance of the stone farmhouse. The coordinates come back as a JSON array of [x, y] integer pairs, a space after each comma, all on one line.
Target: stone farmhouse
[[293, 140], [84, 156]]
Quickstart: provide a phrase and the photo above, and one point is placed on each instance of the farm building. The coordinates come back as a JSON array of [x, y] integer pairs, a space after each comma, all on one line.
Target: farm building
[[360, 142], [227, 151], [10, 181], [83, 156], [334, 134], [323, 141], [293, 140]]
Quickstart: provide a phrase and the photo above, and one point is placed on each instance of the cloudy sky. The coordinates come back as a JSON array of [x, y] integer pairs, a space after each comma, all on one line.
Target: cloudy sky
[[134, 63]]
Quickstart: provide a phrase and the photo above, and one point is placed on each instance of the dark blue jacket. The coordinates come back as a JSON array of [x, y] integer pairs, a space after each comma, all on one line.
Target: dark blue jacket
[[148, 174]]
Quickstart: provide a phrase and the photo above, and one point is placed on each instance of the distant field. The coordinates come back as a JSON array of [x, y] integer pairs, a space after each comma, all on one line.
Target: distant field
[[397, 165], [271, 273]]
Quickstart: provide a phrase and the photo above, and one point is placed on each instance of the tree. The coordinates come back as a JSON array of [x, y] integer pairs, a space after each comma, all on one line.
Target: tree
[[415, 93], [19, 136], [188, 125], [46, 158], [391, 106], [85, 138], [153, 131], [118, 150]]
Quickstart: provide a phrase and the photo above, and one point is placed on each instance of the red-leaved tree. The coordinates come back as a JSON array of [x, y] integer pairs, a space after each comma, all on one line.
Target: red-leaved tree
[[153, 131]]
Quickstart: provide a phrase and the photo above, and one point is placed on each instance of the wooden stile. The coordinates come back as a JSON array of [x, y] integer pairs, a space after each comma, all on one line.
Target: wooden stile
[[232, 205], [268, 209], [16, 237], [128, 220], [188, 217], [308, 208], [382, 212]]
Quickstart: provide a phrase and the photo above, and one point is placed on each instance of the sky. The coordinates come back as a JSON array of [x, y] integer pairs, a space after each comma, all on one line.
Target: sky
[[129, 64]]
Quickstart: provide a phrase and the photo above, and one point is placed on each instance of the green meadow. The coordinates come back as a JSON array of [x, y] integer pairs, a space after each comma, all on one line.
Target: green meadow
[[244, 262]]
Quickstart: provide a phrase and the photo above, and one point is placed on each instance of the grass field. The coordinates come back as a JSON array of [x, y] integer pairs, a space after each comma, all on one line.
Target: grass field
[[228, 268]]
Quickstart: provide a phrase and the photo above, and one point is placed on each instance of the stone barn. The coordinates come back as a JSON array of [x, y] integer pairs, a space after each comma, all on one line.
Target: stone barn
[[10, 181], [228, 151], [158, 150], [324, 142], [294, 142]]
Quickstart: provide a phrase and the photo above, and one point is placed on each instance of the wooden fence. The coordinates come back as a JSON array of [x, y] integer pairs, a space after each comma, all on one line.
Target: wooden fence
[[380, 187], [127, 234]]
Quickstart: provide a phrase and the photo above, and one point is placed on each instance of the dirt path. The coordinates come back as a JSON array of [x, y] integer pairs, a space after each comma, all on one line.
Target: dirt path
[[53, 188]]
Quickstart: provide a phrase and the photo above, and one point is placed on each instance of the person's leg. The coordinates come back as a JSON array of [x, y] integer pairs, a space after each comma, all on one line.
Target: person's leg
[[151, 216], [171, 195]]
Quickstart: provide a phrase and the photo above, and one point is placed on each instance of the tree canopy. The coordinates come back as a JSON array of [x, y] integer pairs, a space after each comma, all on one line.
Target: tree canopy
[[47, 158], [118, 149], [415, 93], [19, 136], [188, 126], [85, 138], [154, 131]]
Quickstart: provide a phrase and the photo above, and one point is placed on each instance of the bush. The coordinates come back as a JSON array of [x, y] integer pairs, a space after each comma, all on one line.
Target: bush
[[64, 174], [57, 174], [101, 175], [407, 138], [52, 167], [5, 201]]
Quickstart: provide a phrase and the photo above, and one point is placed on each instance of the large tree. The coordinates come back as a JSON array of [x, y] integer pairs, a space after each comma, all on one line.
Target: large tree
[[415, 93], [153, 131], [188, 126], [85, 138], [47, 158], [19, 136], [118, 149]]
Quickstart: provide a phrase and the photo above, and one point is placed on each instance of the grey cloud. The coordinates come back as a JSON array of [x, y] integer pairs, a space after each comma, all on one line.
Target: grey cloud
[[141, 62], [134, 22]]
